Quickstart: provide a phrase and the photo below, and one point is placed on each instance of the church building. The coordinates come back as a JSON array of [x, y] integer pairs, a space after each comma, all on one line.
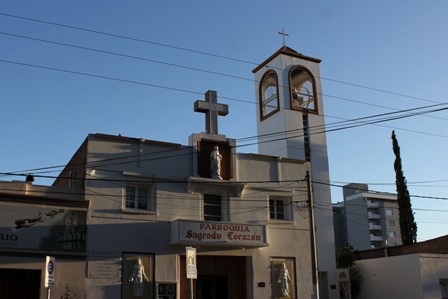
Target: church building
[[165, 220]]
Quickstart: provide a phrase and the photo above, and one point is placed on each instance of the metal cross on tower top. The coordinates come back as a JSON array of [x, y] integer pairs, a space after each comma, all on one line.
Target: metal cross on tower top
[[283, 34], [212, 109]]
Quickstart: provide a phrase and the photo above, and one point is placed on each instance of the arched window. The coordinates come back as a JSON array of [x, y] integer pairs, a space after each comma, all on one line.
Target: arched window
[[269, 101], [303, 89]]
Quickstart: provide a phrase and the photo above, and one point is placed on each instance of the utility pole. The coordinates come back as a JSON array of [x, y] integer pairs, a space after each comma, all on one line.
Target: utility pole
[[314, 261]]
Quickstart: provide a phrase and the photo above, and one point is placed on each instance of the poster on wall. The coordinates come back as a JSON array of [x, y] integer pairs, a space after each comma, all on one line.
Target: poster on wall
[[42, 228], [283, 278], [138, 276]]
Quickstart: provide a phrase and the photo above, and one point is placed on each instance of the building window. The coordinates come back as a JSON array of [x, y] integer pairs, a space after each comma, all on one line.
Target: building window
[[389, 212], [269, 100], [391, 234], [139, 198], [212, 207], [280, 208], [391, 222], [303, 90]]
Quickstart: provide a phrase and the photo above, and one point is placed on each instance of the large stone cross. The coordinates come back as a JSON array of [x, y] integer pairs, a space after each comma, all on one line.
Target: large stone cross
[[212, 109]]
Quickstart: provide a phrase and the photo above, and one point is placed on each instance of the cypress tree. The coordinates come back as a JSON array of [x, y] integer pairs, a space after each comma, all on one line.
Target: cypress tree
[[408, 227]]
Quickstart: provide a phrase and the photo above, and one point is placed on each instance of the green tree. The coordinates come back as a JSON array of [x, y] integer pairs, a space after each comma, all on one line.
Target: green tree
[[408, 227]]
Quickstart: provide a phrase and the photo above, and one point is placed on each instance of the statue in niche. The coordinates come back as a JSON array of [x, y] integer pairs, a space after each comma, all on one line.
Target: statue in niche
[[138, 277], [215, 163], [284, 280]]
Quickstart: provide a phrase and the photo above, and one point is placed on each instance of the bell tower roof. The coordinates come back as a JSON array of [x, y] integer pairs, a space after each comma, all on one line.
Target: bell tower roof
[[285, 51]]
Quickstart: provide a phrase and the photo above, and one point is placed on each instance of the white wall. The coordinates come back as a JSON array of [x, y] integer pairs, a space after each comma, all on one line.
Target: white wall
[[433, 268], [413, 276], [391, 278]]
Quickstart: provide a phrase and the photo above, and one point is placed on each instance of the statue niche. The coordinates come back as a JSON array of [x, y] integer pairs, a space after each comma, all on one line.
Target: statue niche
[[214, 160]]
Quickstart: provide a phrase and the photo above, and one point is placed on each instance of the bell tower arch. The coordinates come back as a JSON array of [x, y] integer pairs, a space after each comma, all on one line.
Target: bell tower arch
[[289, 103]]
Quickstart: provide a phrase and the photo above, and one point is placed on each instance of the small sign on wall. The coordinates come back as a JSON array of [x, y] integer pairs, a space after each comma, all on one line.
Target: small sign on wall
[[192, 272], [49, 271], [103, 267], [166, 291]]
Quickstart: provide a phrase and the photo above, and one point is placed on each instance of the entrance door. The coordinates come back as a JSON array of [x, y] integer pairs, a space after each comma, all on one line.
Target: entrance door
[[212, 287], [219, 277], [19, 284]]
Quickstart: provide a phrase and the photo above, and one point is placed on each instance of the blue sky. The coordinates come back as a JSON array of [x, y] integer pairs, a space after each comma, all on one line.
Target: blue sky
[[376, 57]]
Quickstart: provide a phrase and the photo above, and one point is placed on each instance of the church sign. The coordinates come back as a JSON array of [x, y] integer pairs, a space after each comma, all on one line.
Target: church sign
[[218, 233]]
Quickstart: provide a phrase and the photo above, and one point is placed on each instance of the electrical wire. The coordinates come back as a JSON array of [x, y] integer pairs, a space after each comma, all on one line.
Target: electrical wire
[[313, 130], [201, 53], [179, 66], [223, 57], [387, 193]]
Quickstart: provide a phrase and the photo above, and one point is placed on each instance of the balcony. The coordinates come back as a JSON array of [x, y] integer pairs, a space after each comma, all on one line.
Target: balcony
[[373, 204], [374, 238], [374, 226], [371, 215]]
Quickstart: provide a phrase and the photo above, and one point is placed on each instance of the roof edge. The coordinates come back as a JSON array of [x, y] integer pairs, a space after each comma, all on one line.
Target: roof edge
[[286, 51]]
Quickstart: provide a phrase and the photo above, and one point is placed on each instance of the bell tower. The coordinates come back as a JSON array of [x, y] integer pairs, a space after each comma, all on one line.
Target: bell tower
[[290, 124], [289, 106]]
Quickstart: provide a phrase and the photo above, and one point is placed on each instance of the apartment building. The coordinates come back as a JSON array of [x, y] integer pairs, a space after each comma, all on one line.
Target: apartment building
[[366, 219]]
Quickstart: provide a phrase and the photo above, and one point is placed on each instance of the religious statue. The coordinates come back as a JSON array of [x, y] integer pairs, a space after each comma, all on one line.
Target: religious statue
[[215, 163], [138, 277], [284, 280]]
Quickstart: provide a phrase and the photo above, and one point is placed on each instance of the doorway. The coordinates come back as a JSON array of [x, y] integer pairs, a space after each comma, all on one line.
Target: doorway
[[12, 282], [219, 277], [212, 287]]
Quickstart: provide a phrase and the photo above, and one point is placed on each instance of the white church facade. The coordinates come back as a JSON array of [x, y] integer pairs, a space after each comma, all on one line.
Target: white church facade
[[248, 217], [149, 201]]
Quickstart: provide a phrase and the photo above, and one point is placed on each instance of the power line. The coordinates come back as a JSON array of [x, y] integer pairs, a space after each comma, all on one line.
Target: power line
[[184, 67], [245, 182], [229, 98], [338, 81], [99, 76], [201, 53], [173, 88], [313, 130], [350, 204], [161, 181], [99, 163], [387, 193], [414, 184], [343, 125], [124, 37], [142, 83], [125, 56], [183, 198]]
